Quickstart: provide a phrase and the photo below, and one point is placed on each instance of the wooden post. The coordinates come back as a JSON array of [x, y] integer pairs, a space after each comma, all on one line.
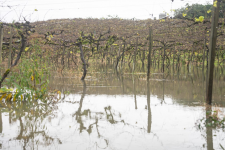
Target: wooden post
[[158, 58], [164, 86], [143, 58], [111, 54], [149, 107], [135, 53], [1, 42], [118, 54], [203, 59], [150, 38], [83, 61], [212, 48], [10, 49], [164, 49], [62, 61], [123, 54], [68, 60], [174, 55], [178, 58], [118, 57]]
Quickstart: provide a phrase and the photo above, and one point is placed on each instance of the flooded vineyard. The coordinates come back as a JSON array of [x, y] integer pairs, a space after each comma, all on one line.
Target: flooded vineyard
[[113, 84], [119, 110]]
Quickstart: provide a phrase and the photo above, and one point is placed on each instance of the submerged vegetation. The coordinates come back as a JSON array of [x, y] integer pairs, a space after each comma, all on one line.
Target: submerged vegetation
[[215, 118]]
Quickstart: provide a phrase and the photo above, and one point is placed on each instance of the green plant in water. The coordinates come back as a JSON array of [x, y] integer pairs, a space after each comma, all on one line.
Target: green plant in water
[[214, 119], [30, 79]]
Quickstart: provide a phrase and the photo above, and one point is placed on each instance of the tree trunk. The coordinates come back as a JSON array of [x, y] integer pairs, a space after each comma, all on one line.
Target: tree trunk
[[84, 63]]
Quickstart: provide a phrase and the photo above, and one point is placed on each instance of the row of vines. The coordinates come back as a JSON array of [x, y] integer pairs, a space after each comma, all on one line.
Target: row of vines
[[67, 44]]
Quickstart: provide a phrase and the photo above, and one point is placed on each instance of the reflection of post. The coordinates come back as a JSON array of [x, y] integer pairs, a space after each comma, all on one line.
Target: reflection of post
[[10, 117], [209, 134], [122, 83], [134, 88], [0, 122], [21, 129], [163, 87], [81, 100], [78, 113], [149, 108]]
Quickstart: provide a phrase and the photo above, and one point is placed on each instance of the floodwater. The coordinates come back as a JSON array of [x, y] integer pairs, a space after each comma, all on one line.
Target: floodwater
[[118, 111]]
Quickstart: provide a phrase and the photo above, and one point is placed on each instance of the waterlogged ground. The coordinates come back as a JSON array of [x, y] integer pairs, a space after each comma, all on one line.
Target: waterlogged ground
[[118, 111]]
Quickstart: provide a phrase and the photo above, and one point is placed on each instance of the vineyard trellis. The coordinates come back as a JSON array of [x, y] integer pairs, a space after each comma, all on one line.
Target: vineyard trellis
[[170, 43], [116, 41]]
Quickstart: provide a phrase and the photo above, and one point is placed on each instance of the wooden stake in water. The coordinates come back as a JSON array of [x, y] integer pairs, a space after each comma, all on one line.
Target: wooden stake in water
[[10, 49], [212, 48], [203, 58], [135, 53], [164, 49], [1, 42], [124, 44], [149, 50], [83, 61], [143, 58]]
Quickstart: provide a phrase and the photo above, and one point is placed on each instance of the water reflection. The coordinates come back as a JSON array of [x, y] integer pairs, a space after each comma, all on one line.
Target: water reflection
[[209, 132], [182, 86], [149, 107], [108, 111], [30, 116], [134, 90], [1, 127], [78, 114]]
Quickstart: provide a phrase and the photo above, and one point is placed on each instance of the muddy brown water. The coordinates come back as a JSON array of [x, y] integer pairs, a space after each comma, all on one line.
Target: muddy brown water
[[118, 111]]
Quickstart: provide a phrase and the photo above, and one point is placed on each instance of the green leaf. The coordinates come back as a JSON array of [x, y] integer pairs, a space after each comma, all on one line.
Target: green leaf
[[209, 11]]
